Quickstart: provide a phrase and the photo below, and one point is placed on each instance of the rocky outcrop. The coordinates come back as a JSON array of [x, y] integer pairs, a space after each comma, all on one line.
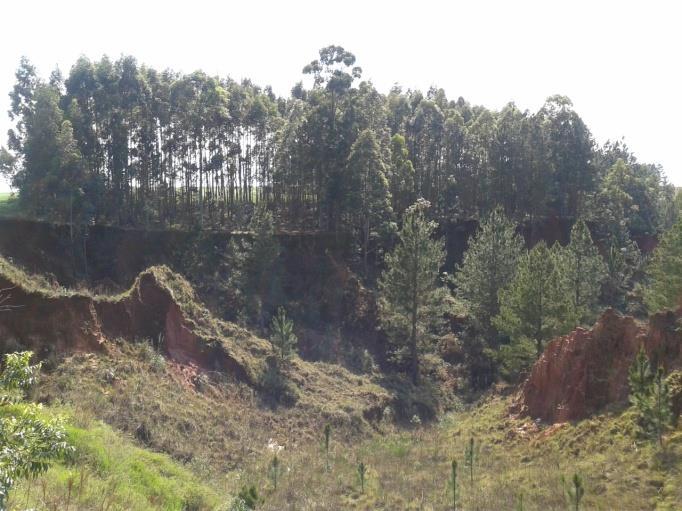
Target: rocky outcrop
[[582, 372]]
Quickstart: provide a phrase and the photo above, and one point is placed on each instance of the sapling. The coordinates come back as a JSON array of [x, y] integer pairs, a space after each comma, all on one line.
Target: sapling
[[274, 470], [661, 410], [574, 491], [362, 470], [519, 502], [471, 457], [327, 437], [454, 485]]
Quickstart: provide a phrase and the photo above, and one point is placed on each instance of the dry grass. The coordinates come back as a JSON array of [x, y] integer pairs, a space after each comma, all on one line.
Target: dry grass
[[220, 431]]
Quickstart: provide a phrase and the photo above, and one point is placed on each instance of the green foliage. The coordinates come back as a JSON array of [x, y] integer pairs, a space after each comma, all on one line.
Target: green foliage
[[533, 305], [17, 376], [582, 271], [471, 457], [274, 470], [125, 143], [276, 384], [640, 379], [575, 491], [362, 472], [29, 442], [366, 199], [660, 416], [255, 278], [489, 265], [401, 174], [453, 482], [282, 335], [248, 497], [411, 300], [327, 438], [665, 272], [516, 359], [650, 395]]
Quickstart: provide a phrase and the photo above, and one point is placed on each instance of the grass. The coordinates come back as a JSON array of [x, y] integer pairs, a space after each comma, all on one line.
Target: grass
[[109, 472], [207, 435], [411, 469], [221, 432], [9, 205]]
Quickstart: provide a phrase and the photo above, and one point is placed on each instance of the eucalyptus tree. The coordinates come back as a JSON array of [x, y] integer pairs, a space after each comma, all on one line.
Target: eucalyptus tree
[[366, 198]]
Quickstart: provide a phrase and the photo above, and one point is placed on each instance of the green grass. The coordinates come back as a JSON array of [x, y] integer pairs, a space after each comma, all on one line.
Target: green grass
[[9, 204], [411, 469], [109, 472]]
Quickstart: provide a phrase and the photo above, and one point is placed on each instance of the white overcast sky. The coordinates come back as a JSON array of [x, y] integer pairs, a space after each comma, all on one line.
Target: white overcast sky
[[619, 61]]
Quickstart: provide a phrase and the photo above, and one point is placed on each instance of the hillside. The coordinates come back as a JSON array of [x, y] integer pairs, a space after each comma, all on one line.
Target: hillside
[[180, 382]]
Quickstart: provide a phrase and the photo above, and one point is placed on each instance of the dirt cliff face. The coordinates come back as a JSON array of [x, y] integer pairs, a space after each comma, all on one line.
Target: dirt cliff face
[[60, 322], [582, 372]]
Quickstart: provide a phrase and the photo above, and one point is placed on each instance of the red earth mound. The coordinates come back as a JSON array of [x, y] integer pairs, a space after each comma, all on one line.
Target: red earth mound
[[59, 322], [580, 373]]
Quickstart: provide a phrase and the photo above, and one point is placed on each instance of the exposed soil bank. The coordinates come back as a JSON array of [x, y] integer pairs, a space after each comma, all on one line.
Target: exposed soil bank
[[582, 372]]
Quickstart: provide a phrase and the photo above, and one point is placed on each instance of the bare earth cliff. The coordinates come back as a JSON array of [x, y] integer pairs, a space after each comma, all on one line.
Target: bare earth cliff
[[582, 372]]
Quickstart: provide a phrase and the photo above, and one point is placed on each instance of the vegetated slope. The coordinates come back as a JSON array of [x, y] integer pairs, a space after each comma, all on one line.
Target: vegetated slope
[[108, 471], [162, 310]]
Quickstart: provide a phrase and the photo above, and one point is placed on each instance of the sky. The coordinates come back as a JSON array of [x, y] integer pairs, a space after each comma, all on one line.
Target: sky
[[619, 61]]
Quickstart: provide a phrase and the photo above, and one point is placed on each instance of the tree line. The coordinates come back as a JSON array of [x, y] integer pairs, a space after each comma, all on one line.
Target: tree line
[[515, 299], [122, 143]]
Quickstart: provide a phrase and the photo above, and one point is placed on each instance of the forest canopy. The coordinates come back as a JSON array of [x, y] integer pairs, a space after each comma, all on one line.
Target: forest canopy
[[122, 143]]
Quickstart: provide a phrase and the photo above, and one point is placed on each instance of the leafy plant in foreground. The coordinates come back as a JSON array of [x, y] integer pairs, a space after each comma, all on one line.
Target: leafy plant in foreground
[[29, 442]]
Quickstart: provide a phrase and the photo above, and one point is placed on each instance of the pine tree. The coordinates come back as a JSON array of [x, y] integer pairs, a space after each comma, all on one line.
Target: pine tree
[[533, 305], [471, 454], [362, 473], [640, 379], [583, 270], [665, 272], [651, 396], [575, 491], [283, 337], [410, 296], [453, 481], [661, 415], [488, 266]]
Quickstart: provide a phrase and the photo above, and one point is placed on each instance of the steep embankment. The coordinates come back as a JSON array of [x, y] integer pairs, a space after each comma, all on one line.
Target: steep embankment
[[162, 309], [582, 372]]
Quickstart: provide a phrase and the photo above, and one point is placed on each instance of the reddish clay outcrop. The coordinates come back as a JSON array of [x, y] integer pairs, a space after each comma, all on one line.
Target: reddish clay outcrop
[[580, 373], [64, 323]]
